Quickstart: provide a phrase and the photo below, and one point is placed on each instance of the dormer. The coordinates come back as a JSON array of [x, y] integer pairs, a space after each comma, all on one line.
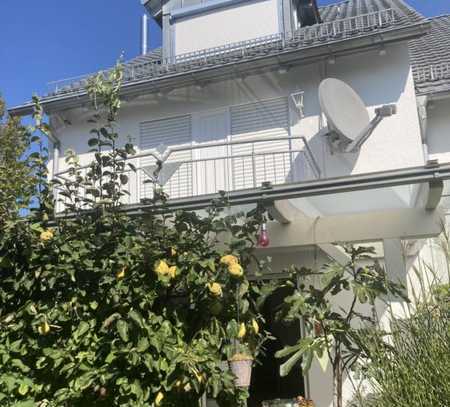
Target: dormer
[[190, 26]]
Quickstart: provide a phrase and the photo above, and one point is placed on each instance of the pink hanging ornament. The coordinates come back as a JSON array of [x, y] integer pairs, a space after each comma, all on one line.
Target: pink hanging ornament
[[263, 238]]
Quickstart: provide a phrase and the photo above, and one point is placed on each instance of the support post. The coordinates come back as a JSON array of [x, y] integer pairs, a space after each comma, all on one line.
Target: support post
[[394, 260]]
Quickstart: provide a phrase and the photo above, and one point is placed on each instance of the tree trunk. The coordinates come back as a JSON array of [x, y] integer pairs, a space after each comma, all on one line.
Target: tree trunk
[[337, 381]]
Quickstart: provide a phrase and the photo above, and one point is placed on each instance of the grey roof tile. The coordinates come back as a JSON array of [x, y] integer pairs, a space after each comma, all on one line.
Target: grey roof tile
[[430, 58]]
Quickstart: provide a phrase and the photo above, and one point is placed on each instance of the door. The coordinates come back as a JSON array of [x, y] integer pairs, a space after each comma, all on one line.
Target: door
[[210, 165], [267, 384]]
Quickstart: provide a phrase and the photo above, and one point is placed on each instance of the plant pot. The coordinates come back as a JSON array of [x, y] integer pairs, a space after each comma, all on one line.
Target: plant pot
[[241, 366]]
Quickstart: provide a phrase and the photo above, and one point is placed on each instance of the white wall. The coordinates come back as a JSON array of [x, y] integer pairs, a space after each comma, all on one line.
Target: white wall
[[395, 144], [225, 26], [438, 130]]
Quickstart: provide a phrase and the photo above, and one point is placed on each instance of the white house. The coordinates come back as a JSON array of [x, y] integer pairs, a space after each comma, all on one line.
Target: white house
[[231, 102]]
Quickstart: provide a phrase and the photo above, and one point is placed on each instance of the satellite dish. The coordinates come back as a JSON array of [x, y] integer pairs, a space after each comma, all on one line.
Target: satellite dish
[[347, 116]]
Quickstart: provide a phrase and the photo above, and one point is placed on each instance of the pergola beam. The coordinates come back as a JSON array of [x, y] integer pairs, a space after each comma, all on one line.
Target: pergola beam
[[414, 223]]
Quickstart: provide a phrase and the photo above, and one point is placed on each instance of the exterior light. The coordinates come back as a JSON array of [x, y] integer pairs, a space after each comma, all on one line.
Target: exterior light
[[382, 51], [263, 238], [331, 59], [283, 70]]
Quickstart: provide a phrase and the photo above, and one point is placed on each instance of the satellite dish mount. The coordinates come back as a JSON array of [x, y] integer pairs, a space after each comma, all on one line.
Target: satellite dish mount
[[349, 125]]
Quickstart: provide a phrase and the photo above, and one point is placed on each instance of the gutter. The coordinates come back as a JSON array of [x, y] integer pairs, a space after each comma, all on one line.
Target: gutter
[[300, 56]]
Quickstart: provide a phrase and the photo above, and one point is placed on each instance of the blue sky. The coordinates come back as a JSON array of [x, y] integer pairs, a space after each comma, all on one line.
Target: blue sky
[[47, 40]]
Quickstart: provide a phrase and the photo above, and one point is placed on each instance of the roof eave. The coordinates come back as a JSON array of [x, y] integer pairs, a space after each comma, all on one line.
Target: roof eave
[[303, 55]]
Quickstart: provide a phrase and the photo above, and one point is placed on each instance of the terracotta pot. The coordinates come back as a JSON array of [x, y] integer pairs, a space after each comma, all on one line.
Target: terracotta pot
[[242, 369]]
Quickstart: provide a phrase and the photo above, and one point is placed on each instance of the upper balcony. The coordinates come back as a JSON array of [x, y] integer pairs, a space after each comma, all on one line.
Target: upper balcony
[[187, 171], [154, 67]]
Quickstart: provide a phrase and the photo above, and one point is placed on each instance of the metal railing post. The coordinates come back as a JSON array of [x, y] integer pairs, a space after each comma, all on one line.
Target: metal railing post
[[253, 165]]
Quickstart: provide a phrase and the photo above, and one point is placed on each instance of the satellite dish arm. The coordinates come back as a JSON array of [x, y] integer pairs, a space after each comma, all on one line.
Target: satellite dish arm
[[381, 113]]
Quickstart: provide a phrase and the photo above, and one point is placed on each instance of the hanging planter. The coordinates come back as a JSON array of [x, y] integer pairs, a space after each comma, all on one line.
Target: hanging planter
[[241, 366]]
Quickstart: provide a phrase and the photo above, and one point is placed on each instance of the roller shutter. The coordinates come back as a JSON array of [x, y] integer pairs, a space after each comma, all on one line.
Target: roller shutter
[[177, 173], [271, 161]]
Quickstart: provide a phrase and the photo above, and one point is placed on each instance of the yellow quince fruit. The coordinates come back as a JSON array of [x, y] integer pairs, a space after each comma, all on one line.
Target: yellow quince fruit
[[46, 235], [199, 377], [161, 267], [255, 326], [172, 271], [242, 331], [229, 259], [159, 398], [121, 273], [236, 270], [44, 328], [215, 289], [173, 252]]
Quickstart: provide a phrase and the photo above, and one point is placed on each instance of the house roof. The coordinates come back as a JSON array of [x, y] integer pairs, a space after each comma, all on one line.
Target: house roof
[[346, 25], [350, 8], [430, 58]]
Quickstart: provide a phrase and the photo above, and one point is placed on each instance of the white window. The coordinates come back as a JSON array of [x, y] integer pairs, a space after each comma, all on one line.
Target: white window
[[224, 25]]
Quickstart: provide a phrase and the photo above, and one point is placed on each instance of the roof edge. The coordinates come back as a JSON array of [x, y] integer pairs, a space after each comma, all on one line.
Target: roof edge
[[310, 54]]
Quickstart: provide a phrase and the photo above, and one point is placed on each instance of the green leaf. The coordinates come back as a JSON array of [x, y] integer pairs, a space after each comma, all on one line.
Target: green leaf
[[93, 142], [26, 403], [288, 350], [20, 365], [122, 328], [287, 366], [136, 317], [81, 330], [323, 359], [307, 361], [123, 179], [143, 344], [23, 389]]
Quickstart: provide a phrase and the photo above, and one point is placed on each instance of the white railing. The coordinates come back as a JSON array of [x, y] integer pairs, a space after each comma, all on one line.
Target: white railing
[[433, 73], [195, 170], [257, 47]]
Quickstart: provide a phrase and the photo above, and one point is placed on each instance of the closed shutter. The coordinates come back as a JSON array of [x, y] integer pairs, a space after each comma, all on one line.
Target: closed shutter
[[255, 163], [158, 135]]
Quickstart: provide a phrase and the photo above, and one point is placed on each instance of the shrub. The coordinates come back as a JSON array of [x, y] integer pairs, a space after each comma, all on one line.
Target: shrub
[[410, 366]]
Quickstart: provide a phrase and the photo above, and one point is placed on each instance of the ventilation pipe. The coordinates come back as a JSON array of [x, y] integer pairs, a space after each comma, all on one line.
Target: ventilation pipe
[[144, 34]]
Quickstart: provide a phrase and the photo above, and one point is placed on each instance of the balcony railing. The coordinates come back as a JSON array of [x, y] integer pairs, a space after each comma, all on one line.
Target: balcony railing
[[194, 170], [263, 46]]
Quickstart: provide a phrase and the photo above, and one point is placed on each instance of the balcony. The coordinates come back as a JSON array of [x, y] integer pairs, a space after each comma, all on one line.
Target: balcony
[[271, 45], [188, 171]]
